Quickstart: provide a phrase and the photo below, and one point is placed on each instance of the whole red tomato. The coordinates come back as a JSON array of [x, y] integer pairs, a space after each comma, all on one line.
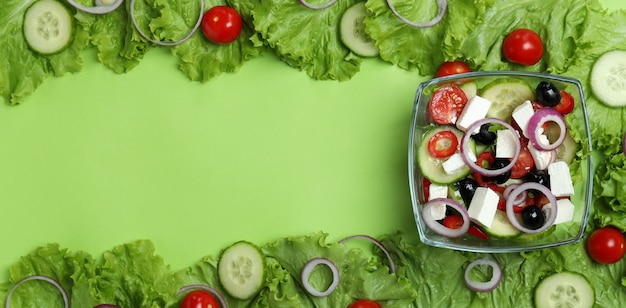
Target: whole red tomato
[[364, 303], [452, 68], [199, 299], [523, 46], [606, 245], [221, 24]]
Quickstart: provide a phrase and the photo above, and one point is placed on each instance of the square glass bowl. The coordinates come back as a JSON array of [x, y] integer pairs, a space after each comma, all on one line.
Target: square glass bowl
[[558, 234]]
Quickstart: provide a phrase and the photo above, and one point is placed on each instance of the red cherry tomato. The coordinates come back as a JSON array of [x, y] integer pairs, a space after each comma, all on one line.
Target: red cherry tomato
[[443, 144], [566, 105], [364, 303], [452, 68], [525, 163], [606, 245], [456, 221], [523, 46], [484, 160], [199, 299], [446, 104], [221, 24]]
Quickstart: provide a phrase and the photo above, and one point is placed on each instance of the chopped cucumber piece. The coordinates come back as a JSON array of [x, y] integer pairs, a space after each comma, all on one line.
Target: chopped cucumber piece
[[565, 289], [501, 227], [48, 27], [470, 89], [608, 80], [241, 270], [353, 33], [432, 167], [505, 95]]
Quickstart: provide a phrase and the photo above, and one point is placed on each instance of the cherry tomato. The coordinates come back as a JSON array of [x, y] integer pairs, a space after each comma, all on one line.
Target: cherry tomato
[[221, 24], [456, 221], [452, 68], [566, 105], [446, 104], [484, 160], [606, 245], [524, 164], [523, 46], [364, 303], [443, 144], [199, 299]]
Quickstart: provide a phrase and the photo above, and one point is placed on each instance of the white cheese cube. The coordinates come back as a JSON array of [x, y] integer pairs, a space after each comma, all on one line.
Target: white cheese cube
[[437, 191], [542, 158], [564, 210], [522, 114], [483, 207], [476, 109], [438, 211], [560, 180], [453, 164], [506, 143]]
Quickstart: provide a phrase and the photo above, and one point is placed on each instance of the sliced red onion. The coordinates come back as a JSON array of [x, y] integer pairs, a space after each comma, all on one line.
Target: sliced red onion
[[519, 199], [441, 10], [478, 286], [466, 151], [161, 43], [308, 269], [317, 7], [441, 229], [215, 293], [510, 213], [100, 8], [535, 130], [55, 283], [392, 265]]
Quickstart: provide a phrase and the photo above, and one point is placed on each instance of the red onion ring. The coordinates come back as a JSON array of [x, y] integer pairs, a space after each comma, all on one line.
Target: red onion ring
[[308, 269], [441, 229], [441, 10], [392, 265], [317, 7], [537, 120], [98, 9], [478, 286], [217, 294], [465, 150], [161, 43], [523, 187], [519, 199], [55, 283]]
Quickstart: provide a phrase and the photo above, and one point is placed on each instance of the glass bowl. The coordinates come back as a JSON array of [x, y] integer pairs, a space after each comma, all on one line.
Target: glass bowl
[[478, 83]]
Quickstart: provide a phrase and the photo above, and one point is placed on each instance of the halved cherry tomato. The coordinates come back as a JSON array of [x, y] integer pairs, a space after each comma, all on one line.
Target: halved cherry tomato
[[606, 245], [524, 164], [443, 144], [452, 68], [446, 104], [199, 299], [484, 159], [456, 221], [221, 24], [566, 105], [365, 303], [523, 46]]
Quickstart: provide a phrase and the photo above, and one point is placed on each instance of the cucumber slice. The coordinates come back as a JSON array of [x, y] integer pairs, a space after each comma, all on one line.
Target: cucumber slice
[[565, 289], [501, 227], [608, 81], [48, 27], [431, 167], [353, 33], [470, 89], [505, 95], [241, 270]]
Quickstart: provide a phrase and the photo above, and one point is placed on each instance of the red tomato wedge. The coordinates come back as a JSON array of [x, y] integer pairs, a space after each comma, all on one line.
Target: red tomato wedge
[[525, 163], [566, 105], [456, 221], [443, 144], [446, 104]]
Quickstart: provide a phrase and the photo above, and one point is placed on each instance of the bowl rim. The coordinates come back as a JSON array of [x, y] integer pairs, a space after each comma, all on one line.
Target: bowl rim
[[588, 161]]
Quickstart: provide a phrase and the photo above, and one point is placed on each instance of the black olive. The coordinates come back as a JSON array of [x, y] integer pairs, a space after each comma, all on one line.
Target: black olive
[[538, 176], [500, 163], [484, 136], [547, 94], [467, 189], [533, 217]]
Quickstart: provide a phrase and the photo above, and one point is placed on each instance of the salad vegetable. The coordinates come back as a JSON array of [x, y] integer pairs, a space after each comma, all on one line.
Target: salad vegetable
[[221, 24], [523, 46], [607, 78], [201, 299], [606, 245]]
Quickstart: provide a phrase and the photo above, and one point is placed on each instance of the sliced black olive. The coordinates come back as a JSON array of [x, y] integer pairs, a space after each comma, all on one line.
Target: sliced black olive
[[467, 189], [547, 94], [533, 217], [484, 136], [539, 176], [500, 163]]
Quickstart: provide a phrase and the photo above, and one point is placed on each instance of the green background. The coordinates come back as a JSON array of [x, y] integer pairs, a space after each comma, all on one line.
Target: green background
[[97, 159]]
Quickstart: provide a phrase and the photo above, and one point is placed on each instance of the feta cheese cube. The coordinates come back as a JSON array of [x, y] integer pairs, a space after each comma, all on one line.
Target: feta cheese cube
[[453, 164], [437, 191], [483, 207], [522, 114], [438, 211], [564, 210], [476, 109], [506, 143], [542, 158], [560, 180]]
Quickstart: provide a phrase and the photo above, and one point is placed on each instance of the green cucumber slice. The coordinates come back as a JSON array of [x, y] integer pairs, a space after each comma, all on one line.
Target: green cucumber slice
[[608, 81], [431, 167], [353, 33], [565, 289], [505, 95], [48, 27], [241, 270], [501, 227], [470, 89]]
